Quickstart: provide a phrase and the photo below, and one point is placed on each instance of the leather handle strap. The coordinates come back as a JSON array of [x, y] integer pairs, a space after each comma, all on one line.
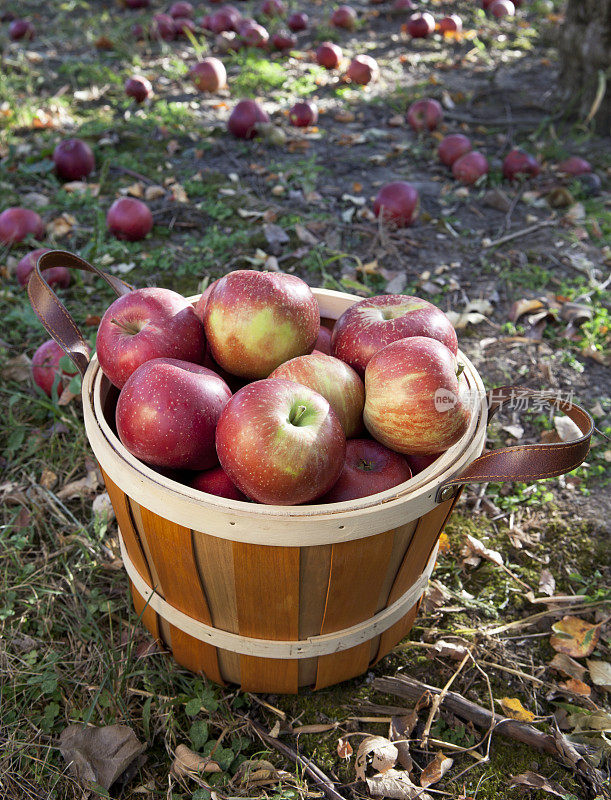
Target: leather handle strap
[[527, 462], [51, 311]]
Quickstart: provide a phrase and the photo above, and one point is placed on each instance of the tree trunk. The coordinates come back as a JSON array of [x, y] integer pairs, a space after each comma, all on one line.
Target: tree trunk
[[585, 57]]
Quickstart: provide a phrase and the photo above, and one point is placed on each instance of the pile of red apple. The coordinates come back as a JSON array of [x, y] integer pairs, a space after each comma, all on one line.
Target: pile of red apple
[[246, 395]]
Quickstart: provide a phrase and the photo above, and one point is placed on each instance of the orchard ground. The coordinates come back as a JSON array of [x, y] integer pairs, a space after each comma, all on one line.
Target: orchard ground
[[71, 649]]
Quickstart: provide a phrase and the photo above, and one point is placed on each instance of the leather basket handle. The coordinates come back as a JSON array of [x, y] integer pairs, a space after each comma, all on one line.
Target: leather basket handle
[[51, 311], [527, 462]]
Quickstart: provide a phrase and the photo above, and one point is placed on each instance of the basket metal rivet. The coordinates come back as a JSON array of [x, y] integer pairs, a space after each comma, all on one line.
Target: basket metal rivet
[[447, 492]]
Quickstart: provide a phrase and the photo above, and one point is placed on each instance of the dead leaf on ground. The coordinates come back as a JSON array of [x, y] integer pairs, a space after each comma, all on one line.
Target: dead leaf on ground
[[304, 235], [399, 731], [532, 780], [188, 764], [450, 650], [574, 637], [600, 673], [436, 595], [101, 755], [566, 429], [397, 785], [67, 396], [567, 666], [474, 312], [473, 551], [260, 773], [82, 486], [344, 748], [514, 709], [575, 686], [276, 237], [435, 770], [547, 583], [61, 226], [82, 187], [47, 479], [383, 754], [154, 192], [17, 369], [316, 728], [102, 506]]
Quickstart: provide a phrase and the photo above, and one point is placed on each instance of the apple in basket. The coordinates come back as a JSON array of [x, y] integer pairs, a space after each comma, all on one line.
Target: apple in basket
[[415, 398], [216, 481], [371, 324], [335, 381], [280, 443], [255, 321], [145, 324], [167, 413], [369, 468]]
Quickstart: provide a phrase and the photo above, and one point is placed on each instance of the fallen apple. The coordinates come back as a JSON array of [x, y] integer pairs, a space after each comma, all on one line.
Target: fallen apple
[[16, 223], [371, 324], [254, 35], [328, 55], [216, 481], [273, 8], [46, 369], [415, 402], [450, 24], [363, 70], [181, 9], [502, 8], [574, 165], [255, 321], [129, 219], [397, 202], [73, 159], [21, 29], [303, 114], [168, 411], [283, 40], [337, 382], [54, 276], [518, 162], [222, 20], [208, 75], [138, 88], [280, 443], [298, 21], [344, 17], [245, 118], [146, 324], [425, 114], [419, 26], [452, 147], [184, 24], [470, 168], [162, 27], [369, 468], [402, 5]]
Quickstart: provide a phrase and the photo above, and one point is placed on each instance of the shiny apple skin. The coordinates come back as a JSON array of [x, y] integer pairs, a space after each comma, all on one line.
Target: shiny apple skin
[[216, 481], [450, 24], [363, 329], [16, 223], [138, 88], [418, 463], [344, 17], [419, 26], [363, 70], [73, 159], [401, 384], [303, 114], [323, 341], [129, 219], [45, 366], [398, 202], [518, 162], [164, 325], [255, 321], [337, 382], [369, 468], [244, 118], [452, 147], [425, 114], [168, 411], [470, 168], [208, 75], [329, 55], [269, 458], [200, 305]]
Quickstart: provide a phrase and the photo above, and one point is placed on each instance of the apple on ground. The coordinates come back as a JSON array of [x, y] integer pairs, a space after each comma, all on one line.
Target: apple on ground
[[502, 8], [425, 114], [371, 324], [415, 403], [46, 367], [129, 219], [470, 168], [162, 27], [398, 203], [283, 40], [329, 55], [21, 29], [73, 159], [135, 4], [16, 223], [254, 35], [146, 324], [298, 21], [452, 147], [184, 24], [450, 24], [273, 8], [280, 443], [255, 321], [344, 17], [369, 468], [303, 114], [419, 26], [139, 88], [363, 70], [216, 481], [518, 162], [168, 411], [54, 276], [221, 21], [245, 118], [574, 165], [337, 382], [180, 9], [208, 75], [402, 5]]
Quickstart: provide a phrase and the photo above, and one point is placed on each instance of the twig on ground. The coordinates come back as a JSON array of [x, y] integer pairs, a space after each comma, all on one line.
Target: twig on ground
[[546, 223], [438, 699]]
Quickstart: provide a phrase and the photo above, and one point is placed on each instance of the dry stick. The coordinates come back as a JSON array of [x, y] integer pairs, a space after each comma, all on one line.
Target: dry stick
[[546, 223], [315, 773], [438, 699]]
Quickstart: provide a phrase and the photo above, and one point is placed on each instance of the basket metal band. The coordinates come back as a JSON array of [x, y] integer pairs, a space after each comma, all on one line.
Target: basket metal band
[[272, 648]]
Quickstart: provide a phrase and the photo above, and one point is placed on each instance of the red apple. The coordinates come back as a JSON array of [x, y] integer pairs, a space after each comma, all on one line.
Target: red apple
[[371, 324], [369, 468], [452, 147], [244, 24], [323, 342], [183, 24], [328, 55], [344, 17], [202, 302], [298, 21], [335, 381], [419, 26], [244, 119], [574, 166], [363, 70], [129, 219], [303, 114], [223, 20], [228, 42], [162, 27], [273, 8], [21, 29], [418, 463], [402, 5], [255, 321], [518, 163], [487, 3], [208, 75], [415, 403], [502, 8], [45, 367], [139, 88], [137, 31], [425, 114], [146, 324], [470, 168], [216, 481], [450, 24], [168, 411], [254, 35], [398, 203], [282, 40], [181, 9], [73, 159], [280, 443], [54, 276], [16, 223]]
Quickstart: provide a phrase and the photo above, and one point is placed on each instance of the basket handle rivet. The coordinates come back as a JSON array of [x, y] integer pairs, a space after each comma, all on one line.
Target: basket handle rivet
[[446, 493]]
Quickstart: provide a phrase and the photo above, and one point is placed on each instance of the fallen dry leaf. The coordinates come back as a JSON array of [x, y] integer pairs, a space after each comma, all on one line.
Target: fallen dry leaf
[[474, 312], [187, 763], [304, 235], [534, 781], [473, 551], [435, 770], [514, 709], [101, 755], [397, 785], [17, 369], [102, 506], [154, 192], [575, 686], [82, 486], [399, 731], [344, 748], [600, 673], [47, 479], [316, 728], [61, 226], [567, 666], [567, 430], [383, 754], [574, 637], [81, 187], [260, 773], [450, 650], [436, 595], [547, 583], [67, 396]]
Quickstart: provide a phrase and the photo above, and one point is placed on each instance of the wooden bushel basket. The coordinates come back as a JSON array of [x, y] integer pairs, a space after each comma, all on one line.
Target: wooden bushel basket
[[275, 598]]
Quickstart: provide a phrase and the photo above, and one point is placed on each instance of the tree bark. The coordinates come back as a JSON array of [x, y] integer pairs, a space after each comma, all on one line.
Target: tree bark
[[585, 59]]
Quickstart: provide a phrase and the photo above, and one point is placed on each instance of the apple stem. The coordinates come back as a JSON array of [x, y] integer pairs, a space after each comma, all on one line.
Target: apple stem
[[365, 465], [131, 329], [460, 370], [296, 414]]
